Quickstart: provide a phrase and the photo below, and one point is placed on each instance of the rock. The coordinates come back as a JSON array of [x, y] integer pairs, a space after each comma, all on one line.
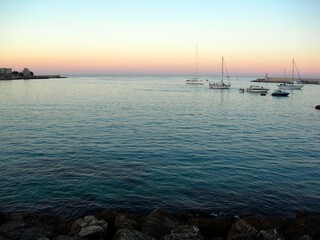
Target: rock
[[89, 227], [185, 232], [4, 217], [90, 231], [213, 227], [11, 226], [317, 107], [159, 223], [269, 235], [124, 221], [131, 234], [241, 230], [305, 237], [65, 237]]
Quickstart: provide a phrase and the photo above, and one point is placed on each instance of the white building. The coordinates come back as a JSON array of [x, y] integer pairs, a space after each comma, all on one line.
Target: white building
[[6, 72]]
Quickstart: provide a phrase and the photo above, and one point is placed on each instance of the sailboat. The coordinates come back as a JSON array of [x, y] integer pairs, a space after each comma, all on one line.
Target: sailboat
[[195, 80], [293, 85], [221, 85]]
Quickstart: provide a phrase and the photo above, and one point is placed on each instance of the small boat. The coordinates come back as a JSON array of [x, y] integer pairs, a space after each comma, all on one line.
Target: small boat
[[221, 85], [241, 90], [257, 89], [280, 93], [194, 81], [263, 94]]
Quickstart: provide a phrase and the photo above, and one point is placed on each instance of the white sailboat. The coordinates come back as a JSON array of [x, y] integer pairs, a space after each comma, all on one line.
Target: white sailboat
[[221, 85], [195, 80], [293, 85]]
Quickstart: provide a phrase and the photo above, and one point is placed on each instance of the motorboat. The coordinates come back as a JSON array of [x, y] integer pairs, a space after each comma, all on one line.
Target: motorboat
[[280, 93], [257, 89]]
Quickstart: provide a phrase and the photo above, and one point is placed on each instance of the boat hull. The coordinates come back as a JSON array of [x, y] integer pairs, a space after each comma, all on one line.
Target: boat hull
[[257, 91]]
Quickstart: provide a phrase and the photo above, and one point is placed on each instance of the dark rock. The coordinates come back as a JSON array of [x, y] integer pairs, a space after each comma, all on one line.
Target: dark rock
[[159, 223], [19, 230], [4, 217], [213, 227], [241, 230], [269, 235], [89, 227], [131, 234], [305, 237], [65, 237], [185, 232], [124, 220], [317, 107]]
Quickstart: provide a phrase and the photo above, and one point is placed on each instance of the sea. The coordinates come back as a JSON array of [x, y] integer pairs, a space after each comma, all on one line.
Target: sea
[[136, 143]]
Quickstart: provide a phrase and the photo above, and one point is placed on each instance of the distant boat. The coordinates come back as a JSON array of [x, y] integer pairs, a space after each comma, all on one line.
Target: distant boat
[[257, 89], [293, 85], [221, 85], [195, 80], [279, 93], [241, 90]]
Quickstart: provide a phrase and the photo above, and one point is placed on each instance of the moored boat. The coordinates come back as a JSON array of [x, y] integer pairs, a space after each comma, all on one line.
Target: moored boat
[[279, 93], [293, 85], [194, 81], [257, 89], [290, 86], [221, 84]]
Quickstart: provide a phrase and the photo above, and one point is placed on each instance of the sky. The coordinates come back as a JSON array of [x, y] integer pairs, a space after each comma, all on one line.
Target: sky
[[160, 36]]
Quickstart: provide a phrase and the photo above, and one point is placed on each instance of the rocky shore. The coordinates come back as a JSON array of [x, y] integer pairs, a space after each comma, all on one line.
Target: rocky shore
[[158, 224]]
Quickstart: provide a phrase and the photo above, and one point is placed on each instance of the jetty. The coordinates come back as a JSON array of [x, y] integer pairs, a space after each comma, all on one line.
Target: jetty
[[285, 80]]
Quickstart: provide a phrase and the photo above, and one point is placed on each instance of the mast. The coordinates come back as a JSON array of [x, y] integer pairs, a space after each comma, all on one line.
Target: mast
[[293, 69], [222, 71], [197, 65]]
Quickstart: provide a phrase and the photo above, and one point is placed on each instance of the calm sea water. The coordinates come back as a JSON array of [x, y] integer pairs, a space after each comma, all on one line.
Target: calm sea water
[[137, 143]]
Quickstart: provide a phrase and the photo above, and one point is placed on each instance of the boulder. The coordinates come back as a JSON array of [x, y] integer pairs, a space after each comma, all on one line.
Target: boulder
[[131, 234], [269, 235], [66, 237], [305, 237], [241, 230], [185, 232], [159, 223], [91, 231], [213, 227], [4, 217], [89, 227], [123, 220]]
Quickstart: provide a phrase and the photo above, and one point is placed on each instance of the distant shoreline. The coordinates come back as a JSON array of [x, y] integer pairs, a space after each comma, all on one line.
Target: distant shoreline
[[30, 78], [284, 80]]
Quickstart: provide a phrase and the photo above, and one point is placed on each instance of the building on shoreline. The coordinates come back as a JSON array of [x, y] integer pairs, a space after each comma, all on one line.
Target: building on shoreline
[[5, 72]]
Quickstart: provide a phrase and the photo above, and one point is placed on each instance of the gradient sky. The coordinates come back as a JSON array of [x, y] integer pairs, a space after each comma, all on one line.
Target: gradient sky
[[159, 36]]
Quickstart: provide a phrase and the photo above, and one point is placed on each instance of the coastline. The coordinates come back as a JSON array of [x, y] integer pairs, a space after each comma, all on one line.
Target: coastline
[[30, 78], [286, 80], [158, 224]]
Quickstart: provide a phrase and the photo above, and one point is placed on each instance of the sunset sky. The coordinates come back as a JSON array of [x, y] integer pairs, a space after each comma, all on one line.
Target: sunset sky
[[159, 36]]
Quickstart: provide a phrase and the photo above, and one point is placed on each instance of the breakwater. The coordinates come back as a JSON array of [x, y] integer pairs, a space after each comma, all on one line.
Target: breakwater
[[285, 80], [158, 224]]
